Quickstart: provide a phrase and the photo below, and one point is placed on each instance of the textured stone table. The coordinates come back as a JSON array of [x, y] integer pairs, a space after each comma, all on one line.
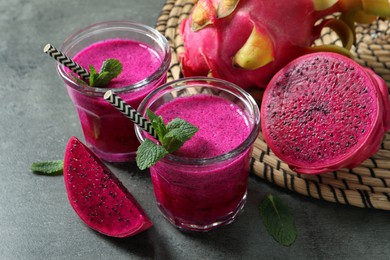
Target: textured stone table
[[37, 118]]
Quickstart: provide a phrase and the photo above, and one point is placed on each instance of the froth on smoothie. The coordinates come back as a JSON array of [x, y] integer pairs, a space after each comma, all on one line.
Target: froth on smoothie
[[222, 124], [139, 61]]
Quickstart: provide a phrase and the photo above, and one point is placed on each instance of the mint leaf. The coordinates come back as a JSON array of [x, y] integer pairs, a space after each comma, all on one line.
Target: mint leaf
[[179, 131], [113, 67], [172, 141], [110, 69], [157, 123], [171, 137], [54, 167], [278, 220], [149, 153], [187, 130], [93, 75], [92, 71], [102, 79], [78, 80]]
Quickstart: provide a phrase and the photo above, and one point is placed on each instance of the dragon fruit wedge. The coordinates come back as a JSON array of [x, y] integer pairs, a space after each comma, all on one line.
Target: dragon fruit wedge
[[98, 197], [323, 112], [248, 41]]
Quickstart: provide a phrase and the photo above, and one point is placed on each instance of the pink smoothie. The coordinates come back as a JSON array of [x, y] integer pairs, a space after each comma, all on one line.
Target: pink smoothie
[[109, 133], [139, 61], [195, 197]]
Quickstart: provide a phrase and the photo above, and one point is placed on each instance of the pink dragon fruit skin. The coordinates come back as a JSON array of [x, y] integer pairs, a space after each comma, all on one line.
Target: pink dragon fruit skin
[[98, 197], [381, 84], [323, 112]]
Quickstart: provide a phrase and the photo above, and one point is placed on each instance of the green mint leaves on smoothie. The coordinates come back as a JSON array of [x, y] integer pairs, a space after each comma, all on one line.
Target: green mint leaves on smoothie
[[110, 69], [149, 153], [158, 124], [171, 137], [278, 220], [179, 131], [51, 168]]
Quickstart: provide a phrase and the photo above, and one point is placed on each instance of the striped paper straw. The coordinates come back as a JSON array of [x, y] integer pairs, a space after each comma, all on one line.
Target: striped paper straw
[[66, 61], [130, 112]]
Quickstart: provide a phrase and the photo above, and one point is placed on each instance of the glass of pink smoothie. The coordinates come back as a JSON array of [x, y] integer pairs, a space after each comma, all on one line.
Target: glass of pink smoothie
[[145, 55], [204, 184]]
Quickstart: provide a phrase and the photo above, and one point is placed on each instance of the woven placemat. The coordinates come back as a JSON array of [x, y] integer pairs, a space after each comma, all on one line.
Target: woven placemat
[[366, 186]]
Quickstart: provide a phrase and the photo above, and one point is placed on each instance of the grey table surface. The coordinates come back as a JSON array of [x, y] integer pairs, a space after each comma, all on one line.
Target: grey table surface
[[37, 119]]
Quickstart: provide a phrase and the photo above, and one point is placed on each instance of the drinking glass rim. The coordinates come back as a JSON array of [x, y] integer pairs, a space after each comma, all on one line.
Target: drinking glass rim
[[125, 24], [244, 96]]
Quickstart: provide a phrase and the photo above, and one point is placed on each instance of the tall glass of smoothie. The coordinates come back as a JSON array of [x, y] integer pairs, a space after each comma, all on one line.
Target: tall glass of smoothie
[[145, 55], [203, 185]]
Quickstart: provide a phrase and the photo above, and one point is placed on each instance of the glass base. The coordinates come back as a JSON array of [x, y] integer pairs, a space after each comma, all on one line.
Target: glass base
[[225, 220], [114, 157]]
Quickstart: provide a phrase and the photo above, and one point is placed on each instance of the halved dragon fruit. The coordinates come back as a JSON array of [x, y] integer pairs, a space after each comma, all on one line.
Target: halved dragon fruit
[[323, 112], [98, 197]]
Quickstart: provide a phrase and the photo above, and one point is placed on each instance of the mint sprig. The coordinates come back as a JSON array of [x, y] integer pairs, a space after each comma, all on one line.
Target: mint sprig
[[171, 137], [179, 131], [278, 220], [111, 68], [149, 153], [54, 167]]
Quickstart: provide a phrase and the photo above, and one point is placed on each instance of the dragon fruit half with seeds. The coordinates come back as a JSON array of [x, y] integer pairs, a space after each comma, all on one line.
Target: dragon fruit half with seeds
[[98, 197], [323, 112], [248, 41]]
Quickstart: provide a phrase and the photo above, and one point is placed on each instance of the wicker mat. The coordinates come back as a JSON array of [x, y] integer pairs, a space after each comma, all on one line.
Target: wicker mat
[[366, 186]]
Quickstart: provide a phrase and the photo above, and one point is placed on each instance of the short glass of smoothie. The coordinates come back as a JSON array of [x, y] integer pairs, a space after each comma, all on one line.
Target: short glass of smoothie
[[145, 56], [203, 185]]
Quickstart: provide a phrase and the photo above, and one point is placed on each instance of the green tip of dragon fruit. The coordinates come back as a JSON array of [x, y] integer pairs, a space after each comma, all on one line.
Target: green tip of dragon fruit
[[202, 15], [377, 7], [256, 52], [320, 5], [323, 112], [98, 197], [226, 7]]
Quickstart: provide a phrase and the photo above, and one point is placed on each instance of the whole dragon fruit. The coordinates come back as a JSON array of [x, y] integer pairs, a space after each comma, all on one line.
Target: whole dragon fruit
[[323, 112], [248, 41]]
